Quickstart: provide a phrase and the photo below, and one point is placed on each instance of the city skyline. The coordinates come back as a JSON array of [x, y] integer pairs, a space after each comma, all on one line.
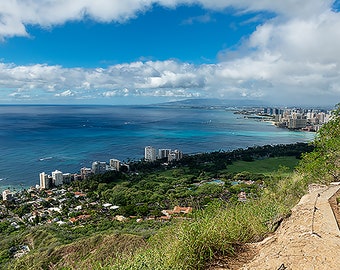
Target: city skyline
[[142, 52]]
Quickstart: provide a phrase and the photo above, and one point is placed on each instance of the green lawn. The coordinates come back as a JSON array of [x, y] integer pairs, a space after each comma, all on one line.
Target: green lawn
[[264, 166]]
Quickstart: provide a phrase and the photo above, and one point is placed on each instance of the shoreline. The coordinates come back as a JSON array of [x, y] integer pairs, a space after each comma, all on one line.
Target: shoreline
[[21, 187], [34, 136]]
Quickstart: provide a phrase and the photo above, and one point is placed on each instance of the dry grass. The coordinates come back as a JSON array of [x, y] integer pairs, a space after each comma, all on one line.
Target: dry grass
[[90, 253]]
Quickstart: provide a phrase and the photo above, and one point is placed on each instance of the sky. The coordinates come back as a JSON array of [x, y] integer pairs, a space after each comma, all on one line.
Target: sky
[[149, 51]]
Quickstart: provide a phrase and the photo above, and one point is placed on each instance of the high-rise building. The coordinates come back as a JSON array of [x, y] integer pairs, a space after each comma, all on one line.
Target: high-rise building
[[45, 181], [163, 153], [98, 167], [297, 121], [321, 117], [115, 164], [85, 173], [67, 178], [57, 178], [175, 155], [150, 153]]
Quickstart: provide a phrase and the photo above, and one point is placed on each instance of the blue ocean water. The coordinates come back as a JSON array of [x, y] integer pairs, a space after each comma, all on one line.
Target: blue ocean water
[[34, 139]]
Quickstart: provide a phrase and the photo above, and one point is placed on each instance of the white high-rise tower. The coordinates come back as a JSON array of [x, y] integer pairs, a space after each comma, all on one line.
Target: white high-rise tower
[[44, 181], [150, 153], [57, 178]]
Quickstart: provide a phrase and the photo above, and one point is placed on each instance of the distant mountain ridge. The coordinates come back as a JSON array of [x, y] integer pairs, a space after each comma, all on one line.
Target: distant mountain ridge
[[215, 102]]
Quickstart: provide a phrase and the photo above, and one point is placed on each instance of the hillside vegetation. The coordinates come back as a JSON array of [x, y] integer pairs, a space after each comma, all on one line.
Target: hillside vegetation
[[220, 225]]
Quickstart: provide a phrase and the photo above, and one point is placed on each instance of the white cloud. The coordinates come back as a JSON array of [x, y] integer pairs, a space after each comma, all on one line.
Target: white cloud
[[268, 76], [16, 15], [314, 39], [293, 57], [67, 93]]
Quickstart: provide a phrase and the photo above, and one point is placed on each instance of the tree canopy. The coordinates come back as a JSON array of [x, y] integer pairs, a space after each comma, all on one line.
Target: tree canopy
[[323, 164]]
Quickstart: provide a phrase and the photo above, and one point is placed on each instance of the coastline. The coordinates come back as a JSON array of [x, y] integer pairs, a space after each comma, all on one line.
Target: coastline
[[46, 138]]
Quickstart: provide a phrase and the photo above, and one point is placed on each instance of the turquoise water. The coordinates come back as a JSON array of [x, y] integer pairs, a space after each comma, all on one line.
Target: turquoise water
[[45, 138], [217, 182]]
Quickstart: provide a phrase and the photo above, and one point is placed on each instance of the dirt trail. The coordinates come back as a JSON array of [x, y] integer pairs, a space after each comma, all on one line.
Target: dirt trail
[[308, 239]]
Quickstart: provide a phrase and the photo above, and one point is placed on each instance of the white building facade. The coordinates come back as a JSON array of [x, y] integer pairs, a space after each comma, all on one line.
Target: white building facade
[[57, 178], [163, 153], [150, 153], [45, 182], [175, 155], [98, 167], [115, 164]]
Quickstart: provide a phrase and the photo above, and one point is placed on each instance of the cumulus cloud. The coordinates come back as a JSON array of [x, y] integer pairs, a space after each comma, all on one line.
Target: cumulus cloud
[[292, 57], [269, 77], [16, 15]]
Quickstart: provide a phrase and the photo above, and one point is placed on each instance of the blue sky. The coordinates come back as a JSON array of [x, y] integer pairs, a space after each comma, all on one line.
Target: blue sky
[[189, 34], [133, 51]]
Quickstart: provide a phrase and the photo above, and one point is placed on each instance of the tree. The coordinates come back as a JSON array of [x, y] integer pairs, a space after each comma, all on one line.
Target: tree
[[22, 210], [118, 195], [323, 164]]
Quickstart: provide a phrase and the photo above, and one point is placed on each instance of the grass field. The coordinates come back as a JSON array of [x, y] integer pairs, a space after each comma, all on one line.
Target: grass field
[[264, 166]]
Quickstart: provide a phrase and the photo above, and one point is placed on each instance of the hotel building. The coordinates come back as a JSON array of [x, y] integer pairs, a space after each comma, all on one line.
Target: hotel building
[[150, 153], [45, 181], [98, 167], [57, 178], [163, 153]]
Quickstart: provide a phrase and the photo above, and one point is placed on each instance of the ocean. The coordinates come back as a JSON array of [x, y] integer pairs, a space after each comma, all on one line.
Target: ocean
[[41, 138]]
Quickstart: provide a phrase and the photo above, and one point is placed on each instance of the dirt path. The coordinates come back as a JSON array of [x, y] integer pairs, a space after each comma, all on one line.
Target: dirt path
[[309, 239]]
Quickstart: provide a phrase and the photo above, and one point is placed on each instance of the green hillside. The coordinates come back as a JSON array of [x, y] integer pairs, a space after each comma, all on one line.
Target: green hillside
[[265, 166], [105, 243], [237, 197]]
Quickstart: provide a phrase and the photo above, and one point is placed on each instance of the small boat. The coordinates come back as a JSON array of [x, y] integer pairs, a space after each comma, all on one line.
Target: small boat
[[45, 158]]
